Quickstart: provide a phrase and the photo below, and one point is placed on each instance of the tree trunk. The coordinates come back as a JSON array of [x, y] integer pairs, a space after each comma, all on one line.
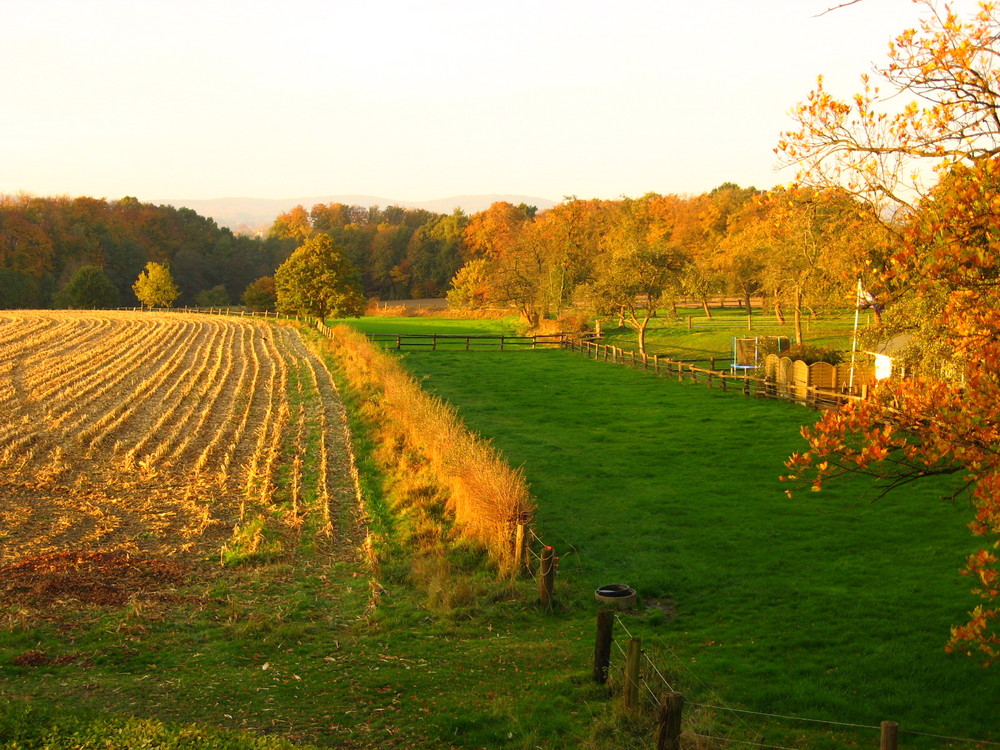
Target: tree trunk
[[706, 308], [798, 317], [779, 316]]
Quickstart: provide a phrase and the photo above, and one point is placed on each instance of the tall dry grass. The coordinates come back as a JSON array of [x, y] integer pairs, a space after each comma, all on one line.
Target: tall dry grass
[[485, 496]]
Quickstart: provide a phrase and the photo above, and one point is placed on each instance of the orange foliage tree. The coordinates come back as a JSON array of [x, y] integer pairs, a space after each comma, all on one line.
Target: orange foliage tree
[[639, 265], [944, 281]]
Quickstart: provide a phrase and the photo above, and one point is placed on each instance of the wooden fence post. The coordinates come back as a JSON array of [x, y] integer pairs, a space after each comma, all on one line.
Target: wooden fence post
[[602, 646], [632, 659], [669, 736], [890, 736], [546, 577]]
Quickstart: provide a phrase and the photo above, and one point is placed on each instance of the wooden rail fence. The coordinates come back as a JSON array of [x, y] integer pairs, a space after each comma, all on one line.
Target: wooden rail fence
[[453, 341], [241, 312], [749, 385]]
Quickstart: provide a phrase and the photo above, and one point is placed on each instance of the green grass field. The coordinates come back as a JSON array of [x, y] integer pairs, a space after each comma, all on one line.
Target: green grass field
[[823, 606], [712, 337]]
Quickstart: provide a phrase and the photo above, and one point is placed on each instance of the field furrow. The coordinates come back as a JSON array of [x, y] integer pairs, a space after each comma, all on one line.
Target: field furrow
[[156, 434]]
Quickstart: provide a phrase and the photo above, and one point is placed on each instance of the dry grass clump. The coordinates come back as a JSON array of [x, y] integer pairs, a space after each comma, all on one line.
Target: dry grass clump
[[484, 496], [376, 309]]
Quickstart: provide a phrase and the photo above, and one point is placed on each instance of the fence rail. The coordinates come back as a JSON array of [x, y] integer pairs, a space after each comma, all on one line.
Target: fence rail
[[749, 385], [239, 312], [453, 341]]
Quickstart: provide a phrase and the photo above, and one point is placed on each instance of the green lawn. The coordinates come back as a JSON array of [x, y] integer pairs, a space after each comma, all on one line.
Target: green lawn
[[453, 326], [823, 606], [692, 336]]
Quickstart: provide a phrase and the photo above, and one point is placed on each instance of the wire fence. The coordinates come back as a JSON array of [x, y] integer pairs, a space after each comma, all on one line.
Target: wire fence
[[710, 717]]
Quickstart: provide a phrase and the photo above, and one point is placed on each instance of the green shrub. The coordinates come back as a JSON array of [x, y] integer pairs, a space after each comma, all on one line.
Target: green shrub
[[811, 354]]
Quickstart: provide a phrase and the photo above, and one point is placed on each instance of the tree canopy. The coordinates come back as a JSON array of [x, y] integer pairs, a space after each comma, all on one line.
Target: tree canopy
[[155, 286], [318, 280], [88, 289], [940, 285]]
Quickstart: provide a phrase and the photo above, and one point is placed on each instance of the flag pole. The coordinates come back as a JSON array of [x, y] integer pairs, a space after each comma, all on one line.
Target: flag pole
[[854, 339]]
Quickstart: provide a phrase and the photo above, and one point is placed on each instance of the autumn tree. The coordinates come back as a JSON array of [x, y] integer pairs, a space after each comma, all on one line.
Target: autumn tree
[[155, 286], [944, 73], [494, 232], [260, 294], [88, 289], [318, 280], [294, 225], [738, 257], [514, 253], [638, 268], [803, 235], [944, 419], [470, 287], [572, 233]]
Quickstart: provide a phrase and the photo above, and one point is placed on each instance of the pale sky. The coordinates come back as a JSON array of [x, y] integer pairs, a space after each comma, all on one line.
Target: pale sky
[[416, 100]]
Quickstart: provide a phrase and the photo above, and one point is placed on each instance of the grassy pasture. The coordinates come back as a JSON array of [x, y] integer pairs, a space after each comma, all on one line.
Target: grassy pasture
[[766, 602], [711, 337], [824, 606]]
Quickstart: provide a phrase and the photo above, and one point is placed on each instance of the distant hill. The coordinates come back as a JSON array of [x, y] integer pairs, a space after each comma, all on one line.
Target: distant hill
[[252, 215]]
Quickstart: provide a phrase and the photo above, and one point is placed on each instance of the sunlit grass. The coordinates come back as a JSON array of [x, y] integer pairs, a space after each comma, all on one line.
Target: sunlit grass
[[823, 605]]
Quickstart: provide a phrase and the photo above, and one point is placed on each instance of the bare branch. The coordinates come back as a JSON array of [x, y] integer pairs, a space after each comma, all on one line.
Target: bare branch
[[837, 7]]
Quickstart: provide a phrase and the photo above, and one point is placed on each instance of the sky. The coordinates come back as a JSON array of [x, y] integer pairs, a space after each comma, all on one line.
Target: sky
[[417, 100]]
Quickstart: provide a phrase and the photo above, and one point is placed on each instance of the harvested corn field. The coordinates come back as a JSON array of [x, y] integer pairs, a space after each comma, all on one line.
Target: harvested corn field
[[164, 435]]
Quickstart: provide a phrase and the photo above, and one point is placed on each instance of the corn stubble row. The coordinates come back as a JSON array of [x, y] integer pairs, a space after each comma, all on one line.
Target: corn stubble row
[[162, 433]]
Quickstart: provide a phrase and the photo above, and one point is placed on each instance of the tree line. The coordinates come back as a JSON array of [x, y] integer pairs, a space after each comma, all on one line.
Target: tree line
[[88, 252], [797, 248], [46, 241]]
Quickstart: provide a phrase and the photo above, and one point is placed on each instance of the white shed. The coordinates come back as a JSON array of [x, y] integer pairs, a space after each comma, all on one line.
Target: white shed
[[885, 351]]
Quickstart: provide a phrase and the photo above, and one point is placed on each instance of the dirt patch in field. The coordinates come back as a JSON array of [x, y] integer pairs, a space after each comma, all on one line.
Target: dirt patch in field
[[100, 579]]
